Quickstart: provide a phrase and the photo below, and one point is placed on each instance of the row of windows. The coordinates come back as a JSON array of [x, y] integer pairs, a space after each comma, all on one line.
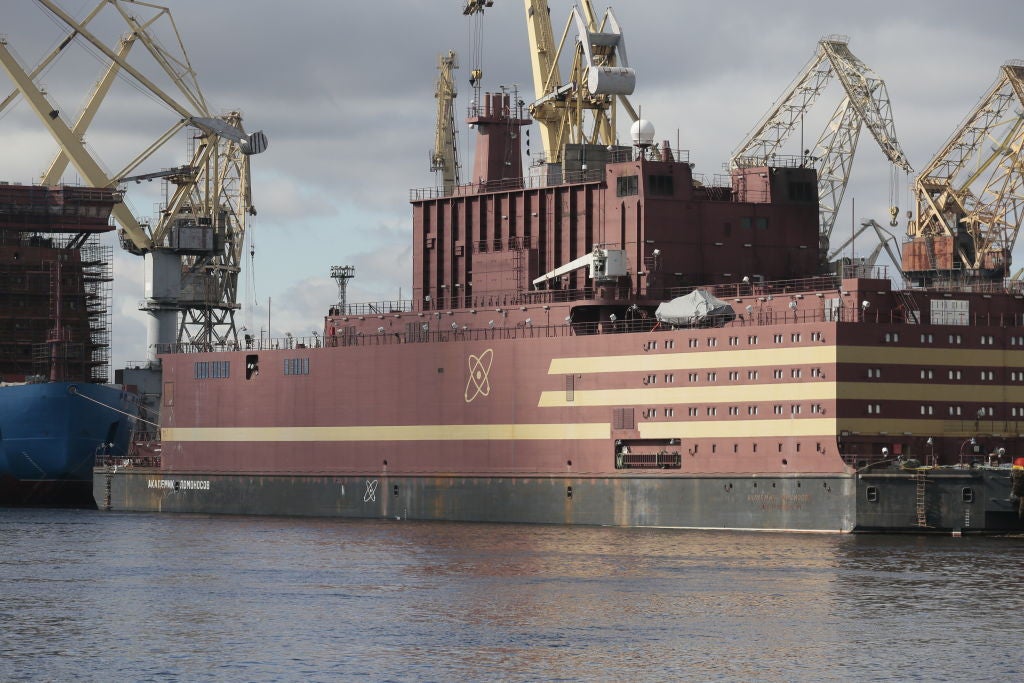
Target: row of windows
[[819, 409], [734, 375], [221, 369], [712, 411], [796, 337], [984, 340], [928, 373], [795, 373], [212, 369], [752, 340]]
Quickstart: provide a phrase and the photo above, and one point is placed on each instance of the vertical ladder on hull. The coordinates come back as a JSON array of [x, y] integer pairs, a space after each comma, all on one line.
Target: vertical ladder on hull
[[106, 489], [921, 507]]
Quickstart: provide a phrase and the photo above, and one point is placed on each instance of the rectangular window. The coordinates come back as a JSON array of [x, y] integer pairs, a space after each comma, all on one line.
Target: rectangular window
[[627, 185], [623, 418], [659, 185], [296, 366], [212, 369]]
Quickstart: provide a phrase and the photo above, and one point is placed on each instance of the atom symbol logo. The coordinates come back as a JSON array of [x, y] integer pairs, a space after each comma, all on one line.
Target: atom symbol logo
[[479, 368], [371, 491]]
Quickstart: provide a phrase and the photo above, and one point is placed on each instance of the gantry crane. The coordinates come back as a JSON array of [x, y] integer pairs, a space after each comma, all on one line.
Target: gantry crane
[[194, 249], [970, 197], [866, 102], [599, 75], [445, 158]]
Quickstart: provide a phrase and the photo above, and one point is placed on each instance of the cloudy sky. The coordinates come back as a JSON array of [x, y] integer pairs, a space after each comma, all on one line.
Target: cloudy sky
[[344, 90]]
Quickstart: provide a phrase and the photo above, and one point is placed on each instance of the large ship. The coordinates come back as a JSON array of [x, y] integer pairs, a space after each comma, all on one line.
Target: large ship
[[56, 410], [609, 339]]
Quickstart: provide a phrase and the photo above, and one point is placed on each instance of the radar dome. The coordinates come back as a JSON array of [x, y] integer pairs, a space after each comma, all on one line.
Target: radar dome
[[642, 133]]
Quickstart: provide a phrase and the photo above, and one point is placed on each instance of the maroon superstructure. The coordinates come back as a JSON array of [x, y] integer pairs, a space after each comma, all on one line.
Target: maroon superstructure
[[485, 243]]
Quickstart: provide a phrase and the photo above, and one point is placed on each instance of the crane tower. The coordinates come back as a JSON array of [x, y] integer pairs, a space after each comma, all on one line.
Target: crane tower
[[970, 197], [445, 158], [193, 249]]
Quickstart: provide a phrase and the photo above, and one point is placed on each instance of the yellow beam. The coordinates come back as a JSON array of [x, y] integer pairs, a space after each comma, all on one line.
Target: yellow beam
[[60, 162], [72, 146]]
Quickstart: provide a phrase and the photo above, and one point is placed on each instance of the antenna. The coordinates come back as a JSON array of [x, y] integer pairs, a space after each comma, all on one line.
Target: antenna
[[342, 274]]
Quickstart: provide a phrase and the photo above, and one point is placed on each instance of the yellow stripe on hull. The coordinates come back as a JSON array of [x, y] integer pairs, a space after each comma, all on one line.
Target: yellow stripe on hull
[[722, 429], [496, 432], [703, 360], [747, 357], [745, 393]]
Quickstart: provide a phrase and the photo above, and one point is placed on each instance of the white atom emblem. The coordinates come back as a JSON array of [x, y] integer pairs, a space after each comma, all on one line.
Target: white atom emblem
[[479, 384]]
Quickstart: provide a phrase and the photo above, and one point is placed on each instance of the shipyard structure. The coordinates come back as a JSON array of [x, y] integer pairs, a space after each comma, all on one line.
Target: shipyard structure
[[56, 412]]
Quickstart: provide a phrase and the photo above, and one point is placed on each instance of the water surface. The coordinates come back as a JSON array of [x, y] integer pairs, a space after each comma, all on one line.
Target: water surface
[[93, 596]]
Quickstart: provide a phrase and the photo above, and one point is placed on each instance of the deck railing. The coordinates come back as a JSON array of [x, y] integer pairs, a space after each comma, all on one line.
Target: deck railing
[[755, 318]]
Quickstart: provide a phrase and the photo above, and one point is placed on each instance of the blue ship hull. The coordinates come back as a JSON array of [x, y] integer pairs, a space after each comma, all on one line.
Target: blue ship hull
[[50, 435]]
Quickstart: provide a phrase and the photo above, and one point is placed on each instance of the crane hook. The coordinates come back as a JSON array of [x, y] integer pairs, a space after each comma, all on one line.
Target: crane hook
[[894, 211]]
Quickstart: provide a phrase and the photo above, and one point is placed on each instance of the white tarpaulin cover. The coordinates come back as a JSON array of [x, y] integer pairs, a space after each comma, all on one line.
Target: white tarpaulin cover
[[696, 309]]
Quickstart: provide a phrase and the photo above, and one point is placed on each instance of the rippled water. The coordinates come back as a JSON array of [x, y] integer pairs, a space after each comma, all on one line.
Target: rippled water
[[91, 596]]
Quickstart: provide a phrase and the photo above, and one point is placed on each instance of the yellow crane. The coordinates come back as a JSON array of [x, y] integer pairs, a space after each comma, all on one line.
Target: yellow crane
[[193, 250], [970, 197], [581, 109], [865, 102], [444, 158]]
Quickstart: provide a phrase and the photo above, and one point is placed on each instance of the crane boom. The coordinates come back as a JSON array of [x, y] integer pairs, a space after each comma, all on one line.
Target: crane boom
[[866, 103], [444, 158]]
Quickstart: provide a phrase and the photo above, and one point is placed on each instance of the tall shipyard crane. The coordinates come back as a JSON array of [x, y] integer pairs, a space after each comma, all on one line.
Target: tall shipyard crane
[[598, 76], [866, 102], [970, 197], [194, 248], [444, 158]]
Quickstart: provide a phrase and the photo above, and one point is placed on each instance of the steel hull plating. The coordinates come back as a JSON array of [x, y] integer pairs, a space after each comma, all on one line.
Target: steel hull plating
[[765, 503], [49, 438]]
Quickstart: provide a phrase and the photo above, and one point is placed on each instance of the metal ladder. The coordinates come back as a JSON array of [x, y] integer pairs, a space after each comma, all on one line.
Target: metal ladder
[[921, 499]]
